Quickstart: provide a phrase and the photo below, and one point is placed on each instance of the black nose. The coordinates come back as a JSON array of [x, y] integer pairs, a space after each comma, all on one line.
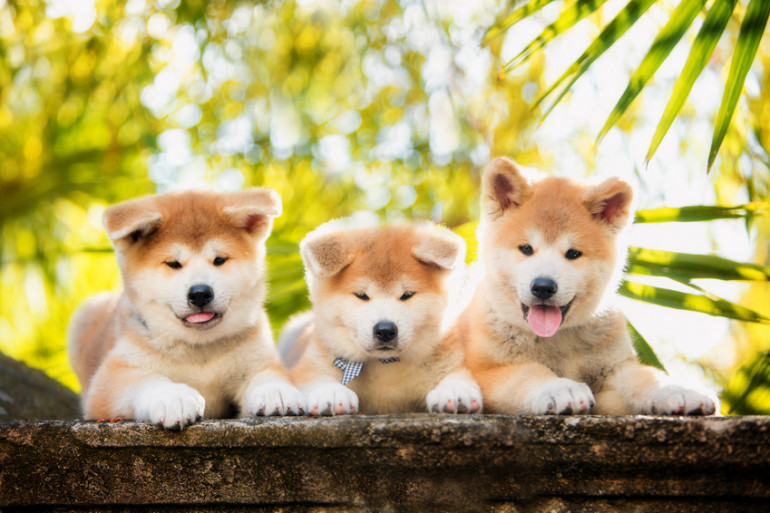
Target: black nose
[[543, 288], [385, 331], [200, 295]]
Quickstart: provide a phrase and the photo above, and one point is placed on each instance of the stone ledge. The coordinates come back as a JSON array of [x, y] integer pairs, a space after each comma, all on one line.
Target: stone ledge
[[407, 462]]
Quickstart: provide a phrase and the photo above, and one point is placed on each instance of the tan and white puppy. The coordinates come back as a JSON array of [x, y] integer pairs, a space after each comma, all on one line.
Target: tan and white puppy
[[188, 337], [541, 332], [381, 337]]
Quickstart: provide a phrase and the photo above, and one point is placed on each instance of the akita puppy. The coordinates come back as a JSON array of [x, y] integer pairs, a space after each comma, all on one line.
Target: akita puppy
[[541, 332], [188, 337], [381, 337]]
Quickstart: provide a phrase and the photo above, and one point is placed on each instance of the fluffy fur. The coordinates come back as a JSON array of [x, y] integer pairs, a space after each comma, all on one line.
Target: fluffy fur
[[541, 331], [364, 277], [188, 337]]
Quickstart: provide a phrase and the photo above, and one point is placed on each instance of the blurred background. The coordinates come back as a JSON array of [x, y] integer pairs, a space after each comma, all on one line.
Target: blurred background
[[385, 109]]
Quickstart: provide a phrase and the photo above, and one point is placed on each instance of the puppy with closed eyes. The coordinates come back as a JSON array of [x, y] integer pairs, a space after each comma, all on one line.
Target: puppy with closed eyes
[[381, 337]]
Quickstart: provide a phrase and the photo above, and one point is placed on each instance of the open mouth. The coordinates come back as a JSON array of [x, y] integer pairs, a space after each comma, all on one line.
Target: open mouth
[[202, 320], [543, 319]]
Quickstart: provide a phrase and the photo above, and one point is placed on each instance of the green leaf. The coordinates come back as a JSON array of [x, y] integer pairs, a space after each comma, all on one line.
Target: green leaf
[[512, 18], [701, 213], [749, 37], [566, 20], [691, 302], [692, 266], [608, 36], [644, 351], [702, 48], [748, 392], [679, 21]]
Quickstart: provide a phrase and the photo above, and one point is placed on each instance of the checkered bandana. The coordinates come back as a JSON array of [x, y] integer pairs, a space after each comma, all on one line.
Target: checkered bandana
[[351, 370]]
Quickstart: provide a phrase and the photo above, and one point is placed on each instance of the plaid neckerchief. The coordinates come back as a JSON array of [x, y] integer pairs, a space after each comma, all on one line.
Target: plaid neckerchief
[[351, 370]]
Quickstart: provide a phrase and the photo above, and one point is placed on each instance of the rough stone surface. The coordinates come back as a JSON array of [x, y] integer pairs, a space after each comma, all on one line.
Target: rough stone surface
[[391, 463], [28, 394]]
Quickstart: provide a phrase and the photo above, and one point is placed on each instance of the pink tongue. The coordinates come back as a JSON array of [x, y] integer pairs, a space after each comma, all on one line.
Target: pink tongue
[[199, 317], [544, 319]]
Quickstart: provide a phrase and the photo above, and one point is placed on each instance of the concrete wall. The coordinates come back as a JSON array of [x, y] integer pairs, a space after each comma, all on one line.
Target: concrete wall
[[392, 463]]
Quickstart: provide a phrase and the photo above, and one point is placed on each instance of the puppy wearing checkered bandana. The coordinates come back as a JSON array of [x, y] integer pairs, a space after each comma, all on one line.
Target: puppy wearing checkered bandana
[[381, 337]]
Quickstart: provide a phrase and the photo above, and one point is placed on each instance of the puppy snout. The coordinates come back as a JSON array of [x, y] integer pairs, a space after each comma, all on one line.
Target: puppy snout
[[543, 288], [200, 295], [385, 331]]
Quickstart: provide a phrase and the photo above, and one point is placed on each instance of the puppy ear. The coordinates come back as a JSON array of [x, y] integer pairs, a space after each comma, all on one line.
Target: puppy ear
[[326, 253], [441, 248], [130, 221], [503, 187], [253, 210], [610, 202]]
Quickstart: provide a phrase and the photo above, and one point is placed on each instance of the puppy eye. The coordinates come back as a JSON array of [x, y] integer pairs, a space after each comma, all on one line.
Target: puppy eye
[[406, 295], [526, 249], [572, 254], [220, 261], [361, 295], [174, 264]]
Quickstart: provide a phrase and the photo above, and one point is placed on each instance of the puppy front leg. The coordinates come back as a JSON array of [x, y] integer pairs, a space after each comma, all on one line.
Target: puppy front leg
[[270, 393], [532, 389], [634, 388], [121, 390], [456, 393]]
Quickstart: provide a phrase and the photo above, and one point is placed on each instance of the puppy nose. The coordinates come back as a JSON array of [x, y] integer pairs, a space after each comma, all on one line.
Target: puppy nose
[[543, 288], [200, 295], [385, 331]]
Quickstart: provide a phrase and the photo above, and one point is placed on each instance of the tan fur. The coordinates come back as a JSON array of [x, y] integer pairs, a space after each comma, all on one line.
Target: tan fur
[[136, 354], [384, 263], [589, 361]]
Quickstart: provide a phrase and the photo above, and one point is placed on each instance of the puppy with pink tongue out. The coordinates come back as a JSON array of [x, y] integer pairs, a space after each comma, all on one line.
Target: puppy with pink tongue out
[[541, 333]]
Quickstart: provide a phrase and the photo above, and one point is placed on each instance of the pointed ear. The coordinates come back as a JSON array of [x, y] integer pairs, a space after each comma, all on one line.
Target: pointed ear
[[326, 253], [440, 247], [503, 187], [253, 210], [610, 202], [130, 221]]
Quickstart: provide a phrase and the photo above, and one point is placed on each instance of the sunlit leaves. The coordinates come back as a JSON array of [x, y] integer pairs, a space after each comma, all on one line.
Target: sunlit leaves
[[680, 20], [752, 29], [748, 391], [703, 46]]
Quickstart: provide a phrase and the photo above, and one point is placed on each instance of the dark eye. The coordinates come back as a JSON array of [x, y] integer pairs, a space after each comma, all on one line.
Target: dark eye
[[361, 295], [526, 249], [572, 254], [174, 264], [406, 295], [220, 261]]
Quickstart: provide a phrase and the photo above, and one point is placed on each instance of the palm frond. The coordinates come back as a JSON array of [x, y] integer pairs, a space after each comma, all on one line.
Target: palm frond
[[691, 302], [668, 37], [702, 48], [752, 28]]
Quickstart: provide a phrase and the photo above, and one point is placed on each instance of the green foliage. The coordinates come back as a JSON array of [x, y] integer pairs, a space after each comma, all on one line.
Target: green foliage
[[680, 20], [382, 108]]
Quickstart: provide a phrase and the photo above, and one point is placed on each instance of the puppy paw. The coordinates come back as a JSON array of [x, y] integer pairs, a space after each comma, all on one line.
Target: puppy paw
[[678, 400], [172, 405], [273, 398], [454, 396], [331, 399], [561, 396]]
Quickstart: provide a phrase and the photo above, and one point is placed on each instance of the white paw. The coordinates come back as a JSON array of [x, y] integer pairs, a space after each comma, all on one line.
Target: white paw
[[454, 396], [678, 400], [331, 399], [273, 398], [172, 405], [561, 396]]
